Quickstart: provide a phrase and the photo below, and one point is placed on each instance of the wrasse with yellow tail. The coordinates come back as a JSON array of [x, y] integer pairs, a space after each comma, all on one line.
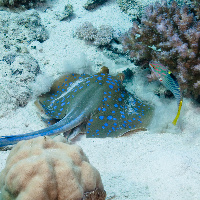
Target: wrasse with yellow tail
[[170, 82]]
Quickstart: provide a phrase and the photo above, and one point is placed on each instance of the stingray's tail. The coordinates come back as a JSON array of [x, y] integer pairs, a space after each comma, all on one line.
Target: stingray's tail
[[61, 126]]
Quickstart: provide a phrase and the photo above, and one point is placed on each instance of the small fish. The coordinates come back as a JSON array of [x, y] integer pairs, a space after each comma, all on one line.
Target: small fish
[[170, 82], [100, 102]]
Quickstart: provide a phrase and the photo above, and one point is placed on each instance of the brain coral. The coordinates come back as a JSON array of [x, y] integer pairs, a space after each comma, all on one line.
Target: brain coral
[[46, 169]]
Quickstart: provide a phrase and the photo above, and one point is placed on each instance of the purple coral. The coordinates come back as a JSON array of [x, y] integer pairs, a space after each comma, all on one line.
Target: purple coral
[[169, 34]]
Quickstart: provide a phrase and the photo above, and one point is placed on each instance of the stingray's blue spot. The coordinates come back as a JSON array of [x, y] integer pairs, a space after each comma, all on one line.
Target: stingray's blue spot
[[139, 116], [144, 105], [58, 86], [63, 100], [125, 122], [81, 87], [51, 97], [89, 124], [63, 104], [70, 83], [95, 75], [59, 113], [107, 104], [97, 133], [54, 107], [65, 84], [129, 126], [56, 94], [103, 109], [57, 102], [106, 124], [87, 81], [88, 84], [115, 80], [100, 83], [97, 130], [65, 79], [114, 118], [129, 120], [115, 105], [115, 124], [109, 117], [142, 113], [99, 78], [105, 92], [105, 99], [52, 111], [103, 127], [148, 108], [91, 120], [109, 79], [75, 90], [68, 96], [101, 117], [139, 121], [109, 96], [138, 106], [113, 111], [102, 74], [68, 102], [133, 118], [122, 112], [74, 76], [112, 83], [63, 90], [124, 125], [122, 116], [99, 109], [88, 132], [110, 86], [109, 92], [113, 128], [122, 95], [120, 99], [61, 109]]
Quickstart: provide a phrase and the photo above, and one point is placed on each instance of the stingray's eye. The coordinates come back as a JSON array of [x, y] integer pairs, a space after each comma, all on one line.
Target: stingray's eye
[[160, 79]]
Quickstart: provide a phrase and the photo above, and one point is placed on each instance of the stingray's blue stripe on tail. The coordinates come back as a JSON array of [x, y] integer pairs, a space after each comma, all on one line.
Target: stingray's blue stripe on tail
[[61, 126]]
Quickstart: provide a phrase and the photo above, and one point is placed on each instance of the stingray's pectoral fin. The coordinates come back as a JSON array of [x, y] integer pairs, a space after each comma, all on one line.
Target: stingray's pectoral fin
[[118, 115]]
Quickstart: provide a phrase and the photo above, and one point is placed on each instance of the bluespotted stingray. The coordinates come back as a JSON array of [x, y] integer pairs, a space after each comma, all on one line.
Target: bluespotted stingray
[[99, 101]]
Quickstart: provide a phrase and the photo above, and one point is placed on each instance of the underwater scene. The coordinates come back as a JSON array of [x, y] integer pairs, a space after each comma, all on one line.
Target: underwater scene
[[100, 99]]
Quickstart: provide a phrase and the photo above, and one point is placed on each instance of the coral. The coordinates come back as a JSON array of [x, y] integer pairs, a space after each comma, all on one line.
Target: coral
[[136, 8], [92, 4], [16, 73], [169, 34], [99, 37], [18, 30], [52, 169], [18, 3]]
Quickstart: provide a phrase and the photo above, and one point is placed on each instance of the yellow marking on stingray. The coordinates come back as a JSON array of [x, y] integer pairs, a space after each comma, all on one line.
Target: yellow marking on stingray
[[169, 72], [178, 113]]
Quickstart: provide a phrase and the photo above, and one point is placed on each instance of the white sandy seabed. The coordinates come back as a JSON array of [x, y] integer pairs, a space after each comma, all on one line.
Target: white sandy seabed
[[160, 164]]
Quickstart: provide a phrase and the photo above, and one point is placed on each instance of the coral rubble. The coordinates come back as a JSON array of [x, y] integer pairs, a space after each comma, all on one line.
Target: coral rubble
[[92, 4], [52, 169], [18, 3], [170, 34]]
